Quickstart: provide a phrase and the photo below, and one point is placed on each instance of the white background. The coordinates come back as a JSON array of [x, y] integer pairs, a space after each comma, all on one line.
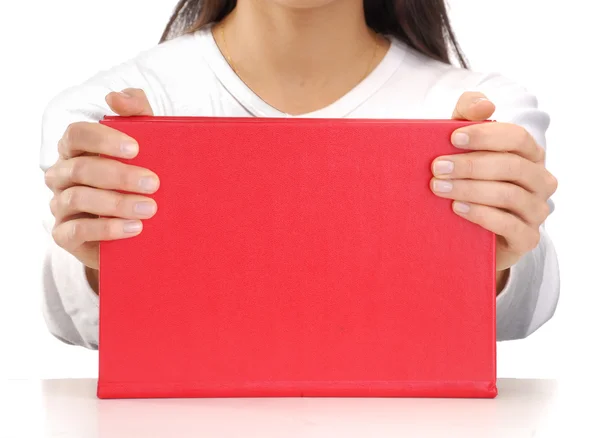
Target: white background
[[50, 45]]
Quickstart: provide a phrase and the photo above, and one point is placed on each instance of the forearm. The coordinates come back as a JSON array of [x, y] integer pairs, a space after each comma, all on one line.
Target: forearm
[[529, 298], [70, 305]]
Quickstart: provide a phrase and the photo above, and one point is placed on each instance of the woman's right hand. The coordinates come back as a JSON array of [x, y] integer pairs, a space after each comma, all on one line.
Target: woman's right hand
[[85, 185]]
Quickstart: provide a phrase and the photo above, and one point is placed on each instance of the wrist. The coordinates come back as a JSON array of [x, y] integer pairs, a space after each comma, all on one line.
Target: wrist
[[501, 279], [92, 278]]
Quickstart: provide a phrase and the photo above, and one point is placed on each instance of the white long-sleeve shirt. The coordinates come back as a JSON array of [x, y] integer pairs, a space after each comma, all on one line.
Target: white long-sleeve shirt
[[188, 76]]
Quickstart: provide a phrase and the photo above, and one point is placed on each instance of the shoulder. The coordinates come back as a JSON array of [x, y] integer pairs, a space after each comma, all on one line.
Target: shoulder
[[184, 50], [441, 85], [180, 70], [174, 74], [438, 75]]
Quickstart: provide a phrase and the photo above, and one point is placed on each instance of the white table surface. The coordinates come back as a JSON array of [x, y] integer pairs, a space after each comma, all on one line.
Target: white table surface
[[70, 409]]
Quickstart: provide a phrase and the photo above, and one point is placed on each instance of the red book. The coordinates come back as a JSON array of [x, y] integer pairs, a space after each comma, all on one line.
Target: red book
[[297, 257]]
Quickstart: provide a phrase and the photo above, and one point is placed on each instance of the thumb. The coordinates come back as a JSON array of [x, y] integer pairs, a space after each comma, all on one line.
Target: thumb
[[473, 106], [130, 102]]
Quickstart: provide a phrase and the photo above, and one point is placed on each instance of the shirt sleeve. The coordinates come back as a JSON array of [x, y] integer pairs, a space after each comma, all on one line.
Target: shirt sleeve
[[69, 305], [531, 294]]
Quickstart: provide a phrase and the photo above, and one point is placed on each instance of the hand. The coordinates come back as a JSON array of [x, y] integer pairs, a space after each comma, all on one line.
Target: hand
[[85, 185], [501, 184]]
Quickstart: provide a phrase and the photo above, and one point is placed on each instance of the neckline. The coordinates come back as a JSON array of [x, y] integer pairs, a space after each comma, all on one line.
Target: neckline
[[259, 108]]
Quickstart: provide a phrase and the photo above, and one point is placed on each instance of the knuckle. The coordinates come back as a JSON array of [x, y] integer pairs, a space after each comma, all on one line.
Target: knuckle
[[77, 231], [54, 206], [542, 154], [77, 170], [108, 231], [71, 134], [123, 177], [544, 210], [514, 166], [57, 236], [138, 93], [477, 214], [469, 167], [118, 204], [509, 195], [67, 234], [551, 182], [521, 197], [61, 146], [50, 177], [74, 137], [71, 198]]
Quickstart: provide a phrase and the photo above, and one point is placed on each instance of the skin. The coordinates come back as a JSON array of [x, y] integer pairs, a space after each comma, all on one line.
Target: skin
[[85, 185], [295, 54], [500, 183], [298, 60]]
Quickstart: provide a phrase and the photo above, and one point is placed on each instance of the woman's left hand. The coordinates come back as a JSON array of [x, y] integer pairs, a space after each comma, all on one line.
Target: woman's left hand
[[501, 184]]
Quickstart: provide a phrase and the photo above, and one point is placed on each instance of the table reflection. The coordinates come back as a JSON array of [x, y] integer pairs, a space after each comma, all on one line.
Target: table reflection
[[519, 407]]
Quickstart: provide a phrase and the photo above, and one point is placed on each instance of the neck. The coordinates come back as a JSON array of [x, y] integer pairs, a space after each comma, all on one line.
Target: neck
[[299, 59], [298, 41]]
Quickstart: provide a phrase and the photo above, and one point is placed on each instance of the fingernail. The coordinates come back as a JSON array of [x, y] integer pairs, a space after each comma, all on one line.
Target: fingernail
[[443, 167], [460, 139], [125, 94], [442, 186], [461, 207], [149, 184], [129, 149], [132, 227], [145, 209], [479, 99]]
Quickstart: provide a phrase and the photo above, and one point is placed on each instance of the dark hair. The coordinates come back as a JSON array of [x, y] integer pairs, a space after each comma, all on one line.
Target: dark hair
[[422, 24]]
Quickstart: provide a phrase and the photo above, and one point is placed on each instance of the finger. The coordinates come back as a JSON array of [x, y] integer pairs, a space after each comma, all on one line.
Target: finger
[[520, 237], [473, 106], [88, 254], [130, 102], [499, 137], [494, 166], [59, 218], [531, 209], [93, 138], [102, 173], [81, 199], [72, 234]]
